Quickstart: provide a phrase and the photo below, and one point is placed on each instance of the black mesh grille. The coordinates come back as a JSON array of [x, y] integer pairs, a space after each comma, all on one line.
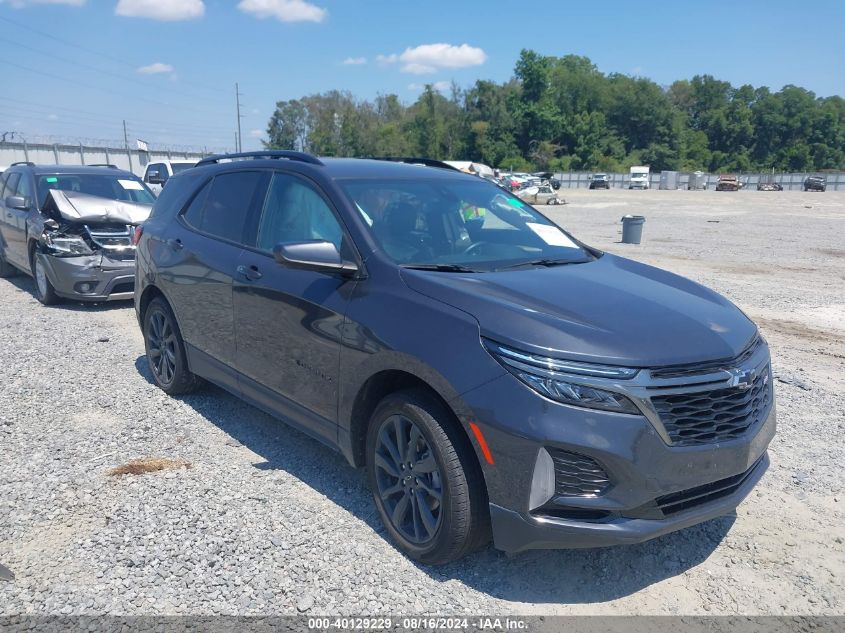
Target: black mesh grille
[[678, 501], [578, 475], [714, 416]]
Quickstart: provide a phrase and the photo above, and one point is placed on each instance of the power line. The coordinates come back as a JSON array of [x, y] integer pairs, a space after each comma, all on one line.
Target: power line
[[97, 53], [86, 114]]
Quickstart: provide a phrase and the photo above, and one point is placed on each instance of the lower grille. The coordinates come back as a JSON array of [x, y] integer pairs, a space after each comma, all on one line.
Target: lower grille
[[577, 475], [719, 415], [126, 286], [686, 499]]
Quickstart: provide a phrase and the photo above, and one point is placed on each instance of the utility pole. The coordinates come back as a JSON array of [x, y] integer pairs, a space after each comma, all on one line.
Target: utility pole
[[126, 144], [239, 145]]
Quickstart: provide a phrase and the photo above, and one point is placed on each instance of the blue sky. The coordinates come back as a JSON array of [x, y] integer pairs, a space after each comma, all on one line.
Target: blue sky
[[76, 68]]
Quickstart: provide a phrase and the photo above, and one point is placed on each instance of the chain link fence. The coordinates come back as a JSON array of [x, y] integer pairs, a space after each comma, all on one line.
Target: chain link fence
[[789, 181]]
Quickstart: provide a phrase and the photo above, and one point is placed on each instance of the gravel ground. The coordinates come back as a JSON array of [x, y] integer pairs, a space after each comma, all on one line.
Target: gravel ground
[[266, 520]]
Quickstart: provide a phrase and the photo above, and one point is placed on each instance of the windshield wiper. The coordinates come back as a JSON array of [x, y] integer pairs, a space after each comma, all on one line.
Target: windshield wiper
[[541, 262], [443, 268]]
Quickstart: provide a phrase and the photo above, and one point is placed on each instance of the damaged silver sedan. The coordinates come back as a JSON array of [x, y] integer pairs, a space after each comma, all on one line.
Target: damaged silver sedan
[[78, 241]]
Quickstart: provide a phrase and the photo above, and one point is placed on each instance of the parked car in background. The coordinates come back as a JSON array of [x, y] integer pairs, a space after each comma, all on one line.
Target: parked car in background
[[71, 228], [600, 181], [543, 194], [728, 182], [491, 373], [767, 183], [640, 177], [157, 174], [815, 183]]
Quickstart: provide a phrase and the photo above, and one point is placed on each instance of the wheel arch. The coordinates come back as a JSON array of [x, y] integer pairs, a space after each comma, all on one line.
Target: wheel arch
[[387, 381]]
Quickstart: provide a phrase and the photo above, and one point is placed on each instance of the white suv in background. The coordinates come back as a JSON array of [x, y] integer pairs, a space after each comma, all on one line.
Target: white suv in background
[[158, 173]]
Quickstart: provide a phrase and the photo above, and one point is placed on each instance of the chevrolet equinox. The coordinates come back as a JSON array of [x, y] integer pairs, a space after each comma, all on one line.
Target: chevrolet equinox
[[495, 376]]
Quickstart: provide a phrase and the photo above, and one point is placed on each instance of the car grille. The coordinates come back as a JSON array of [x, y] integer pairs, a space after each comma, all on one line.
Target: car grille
[[686, 499], [677, 371], [115, 240], [705, 417], [577, 475]]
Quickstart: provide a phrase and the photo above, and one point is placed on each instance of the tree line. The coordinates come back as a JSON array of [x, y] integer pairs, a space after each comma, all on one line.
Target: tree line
[[562, 113]]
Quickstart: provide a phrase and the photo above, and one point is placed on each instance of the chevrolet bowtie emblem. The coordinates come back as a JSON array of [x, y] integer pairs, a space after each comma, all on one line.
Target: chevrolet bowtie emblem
[[743, 379]]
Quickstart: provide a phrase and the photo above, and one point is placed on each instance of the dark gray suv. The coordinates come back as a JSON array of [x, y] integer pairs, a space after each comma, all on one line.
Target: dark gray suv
[[491, 372]]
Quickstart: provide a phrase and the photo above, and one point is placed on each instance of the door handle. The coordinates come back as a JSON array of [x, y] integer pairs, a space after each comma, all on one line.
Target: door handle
[[175, 244], [250, 272]]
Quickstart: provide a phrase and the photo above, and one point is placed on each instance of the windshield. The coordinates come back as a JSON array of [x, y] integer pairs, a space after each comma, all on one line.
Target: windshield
[[111, 186], [178, 168], [459, 223]]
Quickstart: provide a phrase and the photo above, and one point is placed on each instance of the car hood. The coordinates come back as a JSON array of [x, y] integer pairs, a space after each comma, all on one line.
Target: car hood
[[73, 206], [611, 310]]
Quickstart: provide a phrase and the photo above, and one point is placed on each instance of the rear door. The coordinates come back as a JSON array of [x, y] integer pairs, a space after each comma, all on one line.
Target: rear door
[[196, 262], [289, 322]]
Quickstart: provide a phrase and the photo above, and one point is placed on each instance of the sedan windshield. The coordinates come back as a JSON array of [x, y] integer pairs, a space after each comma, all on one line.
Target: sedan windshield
[[460, 225], [113, 187]]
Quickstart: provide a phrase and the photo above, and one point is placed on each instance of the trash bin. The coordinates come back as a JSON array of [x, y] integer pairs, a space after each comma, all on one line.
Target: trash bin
[[632, 229]]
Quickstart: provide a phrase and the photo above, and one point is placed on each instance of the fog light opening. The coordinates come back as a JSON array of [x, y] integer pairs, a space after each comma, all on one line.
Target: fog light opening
[[543, 480]]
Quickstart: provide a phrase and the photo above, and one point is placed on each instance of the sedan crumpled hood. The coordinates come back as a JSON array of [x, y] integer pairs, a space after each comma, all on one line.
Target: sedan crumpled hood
[[612, 310]]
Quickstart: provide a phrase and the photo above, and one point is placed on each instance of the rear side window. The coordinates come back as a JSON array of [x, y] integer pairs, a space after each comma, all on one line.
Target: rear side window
[[222, 207]]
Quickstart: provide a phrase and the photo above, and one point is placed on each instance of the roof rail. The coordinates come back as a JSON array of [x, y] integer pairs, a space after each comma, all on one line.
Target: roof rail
[[109, 165], [428, 162], [23, 162], [270, 153]]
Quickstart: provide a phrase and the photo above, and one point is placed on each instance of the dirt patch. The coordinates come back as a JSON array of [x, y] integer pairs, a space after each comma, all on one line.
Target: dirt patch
[[148, 465], [833, 252]]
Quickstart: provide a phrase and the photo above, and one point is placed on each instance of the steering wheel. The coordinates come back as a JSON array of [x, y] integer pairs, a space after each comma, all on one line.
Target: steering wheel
[[473, 249]]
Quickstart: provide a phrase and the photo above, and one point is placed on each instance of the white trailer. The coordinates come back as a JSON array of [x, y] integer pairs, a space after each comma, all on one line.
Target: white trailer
[[639, 177]]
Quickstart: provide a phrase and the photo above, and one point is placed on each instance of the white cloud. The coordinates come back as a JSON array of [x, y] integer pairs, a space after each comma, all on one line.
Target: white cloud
[[164, 10], [284, 10], [20, 4], [354, 61], [256, 133], [429, 58], [156, 69]]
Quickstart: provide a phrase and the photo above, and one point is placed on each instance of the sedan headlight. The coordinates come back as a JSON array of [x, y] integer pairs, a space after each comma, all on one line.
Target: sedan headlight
[[72, 245], [559, 380]]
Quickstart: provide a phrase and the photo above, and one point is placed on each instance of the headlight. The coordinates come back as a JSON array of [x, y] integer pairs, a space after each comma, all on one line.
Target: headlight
[[559, 379], [69, 246]]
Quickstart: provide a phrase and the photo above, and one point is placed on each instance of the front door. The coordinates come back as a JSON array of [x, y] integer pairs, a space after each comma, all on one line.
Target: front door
[[289, 322]]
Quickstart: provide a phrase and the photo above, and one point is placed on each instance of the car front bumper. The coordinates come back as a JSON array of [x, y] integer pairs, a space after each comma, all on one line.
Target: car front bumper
[[108, 279], [654, 487]]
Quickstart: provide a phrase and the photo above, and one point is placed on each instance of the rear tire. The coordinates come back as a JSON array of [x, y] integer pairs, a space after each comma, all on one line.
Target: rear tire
[[6, 269], [165, 349], [426, 482], [44, 290]]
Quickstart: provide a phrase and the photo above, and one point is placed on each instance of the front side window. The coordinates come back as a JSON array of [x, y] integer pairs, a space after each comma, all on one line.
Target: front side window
[[223, 206], [11, 185], [465, 223], [110, 186], [295, 212]]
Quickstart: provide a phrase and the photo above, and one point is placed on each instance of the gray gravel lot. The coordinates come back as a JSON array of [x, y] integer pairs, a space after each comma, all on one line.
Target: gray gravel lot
[[266, 520]]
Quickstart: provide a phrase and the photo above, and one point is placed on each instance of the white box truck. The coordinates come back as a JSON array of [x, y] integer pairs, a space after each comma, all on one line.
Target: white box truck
[[639, 177]]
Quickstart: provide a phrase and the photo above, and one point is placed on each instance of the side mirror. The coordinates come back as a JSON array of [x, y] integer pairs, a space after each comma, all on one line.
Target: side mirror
[[155, 178], [17, 202], [317, 255]]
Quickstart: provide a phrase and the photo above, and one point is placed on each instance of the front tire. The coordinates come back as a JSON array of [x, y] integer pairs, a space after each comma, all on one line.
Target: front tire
[[165, 349], [44, 290], [426, 483]]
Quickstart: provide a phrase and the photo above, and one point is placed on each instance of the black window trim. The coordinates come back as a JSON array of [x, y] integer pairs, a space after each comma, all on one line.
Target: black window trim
[[180, 216]]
